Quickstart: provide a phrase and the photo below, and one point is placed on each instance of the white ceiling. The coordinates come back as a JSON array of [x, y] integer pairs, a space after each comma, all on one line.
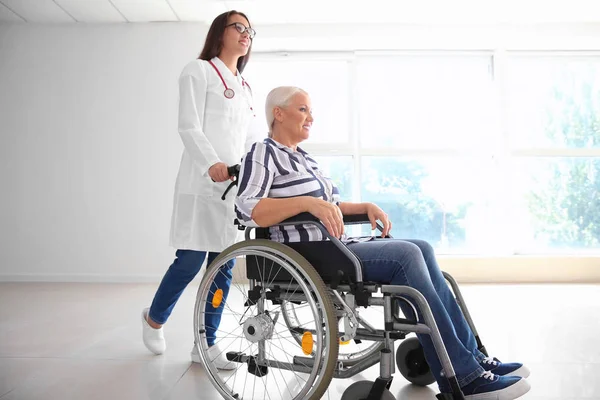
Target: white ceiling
[[305, 11]]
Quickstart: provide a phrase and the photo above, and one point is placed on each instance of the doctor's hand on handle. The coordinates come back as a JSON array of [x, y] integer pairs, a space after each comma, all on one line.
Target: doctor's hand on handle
[[219, 172]]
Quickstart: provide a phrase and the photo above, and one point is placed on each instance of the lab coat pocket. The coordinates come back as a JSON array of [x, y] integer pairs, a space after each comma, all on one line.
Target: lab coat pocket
[[202, 185], [194, 182]]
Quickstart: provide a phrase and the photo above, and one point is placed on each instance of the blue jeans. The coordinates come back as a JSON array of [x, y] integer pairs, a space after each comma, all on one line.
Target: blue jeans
[[183, 270], [412, 263]]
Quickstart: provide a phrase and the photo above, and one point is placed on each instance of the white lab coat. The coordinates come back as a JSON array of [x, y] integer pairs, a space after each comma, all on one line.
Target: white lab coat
[[213, 129]]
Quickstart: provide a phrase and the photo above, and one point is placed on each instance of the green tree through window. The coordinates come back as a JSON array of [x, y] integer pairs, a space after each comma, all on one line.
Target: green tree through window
[[564, 201]]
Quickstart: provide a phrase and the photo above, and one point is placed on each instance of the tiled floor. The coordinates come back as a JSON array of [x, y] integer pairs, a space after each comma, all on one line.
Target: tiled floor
[[83, 341]]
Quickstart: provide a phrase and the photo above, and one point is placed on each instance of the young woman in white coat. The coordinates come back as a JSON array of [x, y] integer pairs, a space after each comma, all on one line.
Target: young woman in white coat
[[215, 113]]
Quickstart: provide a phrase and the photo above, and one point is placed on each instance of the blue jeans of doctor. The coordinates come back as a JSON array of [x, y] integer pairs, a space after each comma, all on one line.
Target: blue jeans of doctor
[[412, 263], [183, 270]]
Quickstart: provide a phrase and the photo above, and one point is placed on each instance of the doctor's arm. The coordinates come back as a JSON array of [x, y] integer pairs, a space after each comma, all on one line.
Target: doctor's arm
[[192, 98]]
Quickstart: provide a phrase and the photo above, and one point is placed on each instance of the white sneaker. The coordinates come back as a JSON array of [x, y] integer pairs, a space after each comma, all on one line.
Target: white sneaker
[[196, 355], [154, 339], [217, 356]]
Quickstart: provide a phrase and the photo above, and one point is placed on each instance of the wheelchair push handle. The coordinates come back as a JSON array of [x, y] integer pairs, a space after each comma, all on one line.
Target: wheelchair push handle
[[232, 171]]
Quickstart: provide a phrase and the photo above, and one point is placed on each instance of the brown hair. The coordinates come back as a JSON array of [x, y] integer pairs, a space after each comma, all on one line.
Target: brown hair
[[214, 39]]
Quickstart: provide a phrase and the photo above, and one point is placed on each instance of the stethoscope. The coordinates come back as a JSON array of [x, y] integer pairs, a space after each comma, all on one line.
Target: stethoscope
[[229, 93]]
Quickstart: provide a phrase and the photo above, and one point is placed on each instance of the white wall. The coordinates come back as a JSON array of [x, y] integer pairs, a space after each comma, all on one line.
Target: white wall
[[89, 149]]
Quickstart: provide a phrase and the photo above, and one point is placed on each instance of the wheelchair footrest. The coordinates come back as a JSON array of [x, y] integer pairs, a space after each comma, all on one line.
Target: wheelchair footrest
[[456, 394], [236, 357], [253, 367], [256, 369]]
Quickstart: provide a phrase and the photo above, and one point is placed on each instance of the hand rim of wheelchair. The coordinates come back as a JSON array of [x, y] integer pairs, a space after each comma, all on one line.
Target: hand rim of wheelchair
[[298, 267]]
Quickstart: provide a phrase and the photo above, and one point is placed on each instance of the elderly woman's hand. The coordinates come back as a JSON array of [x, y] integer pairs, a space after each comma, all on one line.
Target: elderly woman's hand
[[375, 213], [329, 214]]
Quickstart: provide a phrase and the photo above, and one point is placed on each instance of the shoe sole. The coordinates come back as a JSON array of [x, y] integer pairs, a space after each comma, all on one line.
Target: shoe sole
[[522, 372], [512, 392]]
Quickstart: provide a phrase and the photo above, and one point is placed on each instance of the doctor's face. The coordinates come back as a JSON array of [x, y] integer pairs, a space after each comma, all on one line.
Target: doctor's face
[[235, 42], [297, 118]]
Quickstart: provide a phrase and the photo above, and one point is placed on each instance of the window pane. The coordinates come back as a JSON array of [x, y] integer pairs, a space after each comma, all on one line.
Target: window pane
[[558, 207], [340, 170], [554, 102], [325, 81], [446, 201], [426, 102]]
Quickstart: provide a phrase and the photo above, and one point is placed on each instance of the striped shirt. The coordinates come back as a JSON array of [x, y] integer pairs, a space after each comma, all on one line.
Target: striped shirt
[[272, 170]]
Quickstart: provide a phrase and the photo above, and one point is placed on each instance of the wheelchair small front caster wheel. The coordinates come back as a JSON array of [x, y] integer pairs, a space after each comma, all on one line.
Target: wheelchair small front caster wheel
[[411, 362], [360, 391]]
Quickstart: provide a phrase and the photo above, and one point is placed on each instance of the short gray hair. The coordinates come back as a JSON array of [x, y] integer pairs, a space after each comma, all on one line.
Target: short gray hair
[[279, 97]]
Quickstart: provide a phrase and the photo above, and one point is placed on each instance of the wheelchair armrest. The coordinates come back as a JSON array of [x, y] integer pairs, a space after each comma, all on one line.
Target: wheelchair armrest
[[359, 219], [356, 219], [348, 219], [301, 218]]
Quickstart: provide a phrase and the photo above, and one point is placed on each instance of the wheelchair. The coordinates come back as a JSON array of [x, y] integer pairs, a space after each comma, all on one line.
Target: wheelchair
[[291, 321]]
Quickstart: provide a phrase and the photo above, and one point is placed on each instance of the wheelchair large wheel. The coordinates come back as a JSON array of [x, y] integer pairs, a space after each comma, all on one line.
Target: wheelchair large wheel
[[349, 353], [265, 362], [411, 362]]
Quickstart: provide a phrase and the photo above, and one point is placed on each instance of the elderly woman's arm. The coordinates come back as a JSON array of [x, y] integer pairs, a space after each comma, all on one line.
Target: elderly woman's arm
[[254, 208], [373, 211], [269, 212]]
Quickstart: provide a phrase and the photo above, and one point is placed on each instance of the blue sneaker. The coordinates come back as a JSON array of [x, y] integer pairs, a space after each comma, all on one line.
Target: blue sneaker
[[504, 369], [493, 387]]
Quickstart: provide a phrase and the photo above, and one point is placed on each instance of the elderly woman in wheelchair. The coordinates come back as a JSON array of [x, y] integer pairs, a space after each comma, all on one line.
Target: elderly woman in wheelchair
[[292, 321]]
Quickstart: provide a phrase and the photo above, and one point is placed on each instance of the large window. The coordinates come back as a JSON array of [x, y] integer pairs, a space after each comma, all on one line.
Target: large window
[[553, 118], [474, 152], [426, 102], [557, 204], [554, 101], [447, 201], [327, 81]]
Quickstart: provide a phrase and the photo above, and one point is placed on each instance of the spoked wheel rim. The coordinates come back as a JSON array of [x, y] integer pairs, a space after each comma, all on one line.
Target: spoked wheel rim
[[281, 371]]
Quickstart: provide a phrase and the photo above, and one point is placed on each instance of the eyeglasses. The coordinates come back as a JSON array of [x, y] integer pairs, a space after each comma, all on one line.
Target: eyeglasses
[[241, 29]]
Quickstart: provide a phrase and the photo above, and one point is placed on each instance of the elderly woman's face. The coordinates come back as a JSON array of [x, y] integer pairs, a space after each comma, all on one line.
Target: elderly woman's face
[[297, 117]]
